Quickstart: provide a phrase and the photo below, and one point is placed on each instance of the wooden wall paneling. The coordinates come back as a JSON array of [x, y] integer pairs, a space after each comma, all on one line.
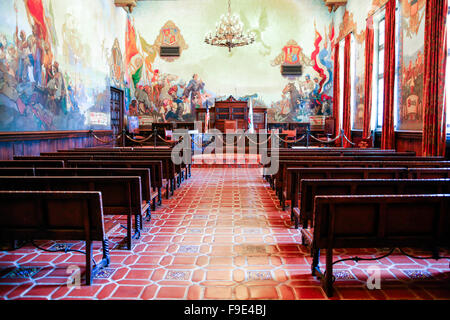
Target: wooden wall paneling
[[33, 143], [408, 141]]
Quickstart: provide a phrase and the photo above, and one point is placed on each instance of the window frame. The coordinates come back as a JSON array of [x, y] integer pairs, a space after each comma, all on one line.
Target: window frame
[[376, 120]]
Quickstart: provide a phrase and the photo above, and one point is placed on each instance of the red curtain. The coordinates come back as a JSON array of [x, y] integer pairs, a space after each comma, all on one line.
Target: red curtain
[[388, 134], [434, 122], [368, 78], [346, 126], [336, 90]]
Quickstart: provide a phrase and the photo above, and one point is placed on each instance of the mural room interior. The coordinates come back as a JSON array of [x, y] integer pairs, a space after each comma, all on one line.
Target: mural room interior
[[59, 61]]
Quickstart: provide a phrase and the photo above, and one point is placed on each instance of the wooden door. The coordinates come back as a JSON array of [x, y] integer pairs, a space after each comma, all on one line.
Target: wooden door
[[117, 106]]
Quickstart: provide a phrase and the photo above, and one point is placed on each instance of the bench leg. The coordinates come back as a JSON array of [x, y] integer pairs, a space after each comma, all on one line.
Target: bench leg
[[172, 186], [105, 247], [89, 274], [129, 227], [137, 226], [329, 274], [151, 204], [315, 262]]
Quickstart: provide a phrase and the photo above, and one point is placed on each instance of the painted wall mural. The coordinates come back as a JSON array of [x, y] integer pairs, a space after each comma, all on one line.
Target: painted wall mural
[[410, 58], [410, 113], [310, 94], [172, 89], [53, 72]]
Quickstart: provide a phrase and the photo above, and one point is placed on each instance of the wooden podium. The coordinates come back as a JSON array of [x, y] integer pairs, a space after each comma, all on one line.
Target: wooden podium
[[233, 111]]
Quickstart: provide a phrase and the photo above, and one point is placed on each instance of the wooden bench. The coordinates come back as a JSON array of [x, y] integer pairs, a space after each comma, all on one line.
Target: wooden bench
[[154, 166], [168, 169], [149, 193], [55, 215], [129, 151], [172, 171], [17, 171], [298, 174], [283, 180], [377, 221], [32, 163], [428, 173], [121, 195], [311, 188]]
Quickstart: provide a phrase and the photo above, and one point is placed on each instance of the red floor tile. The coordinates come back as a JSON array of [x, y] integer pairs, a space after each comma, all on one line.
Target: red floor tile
[[222, 235]]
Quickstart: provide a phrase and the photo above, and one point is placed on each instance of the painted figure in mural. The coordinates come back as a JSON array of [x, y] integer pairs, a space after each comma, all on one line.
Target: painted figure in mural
[[37, 52], [133, 108], [22, 55], [47, 61], [156, 87], [307, 86], [56, 91], [143, 101], [170, 111], [193, 92], [71, 90], [293, 95], [178, 100]]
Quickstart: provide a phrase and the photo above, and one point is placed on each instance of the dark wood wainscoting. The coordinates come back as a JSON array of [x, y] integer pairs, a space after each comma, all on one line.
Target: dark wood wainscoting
[[33, 143], [404, 140], [408, 141]]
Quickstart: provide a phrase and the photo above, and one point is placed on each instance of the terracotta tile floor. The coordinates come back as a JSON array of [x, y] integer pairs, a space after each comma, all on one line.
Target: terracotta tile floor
[[222, 236]]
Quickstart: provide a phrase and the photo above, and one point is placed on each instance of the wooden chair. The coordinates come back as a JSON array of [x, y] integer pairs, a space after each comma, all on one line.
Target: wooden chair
[[169, 138], [230, 126], [290, 137]]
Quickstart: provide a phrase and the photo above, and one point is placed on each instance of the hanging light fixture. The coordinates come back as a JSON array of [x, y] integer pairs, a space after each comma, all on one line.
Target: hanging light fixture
[[229, 32]]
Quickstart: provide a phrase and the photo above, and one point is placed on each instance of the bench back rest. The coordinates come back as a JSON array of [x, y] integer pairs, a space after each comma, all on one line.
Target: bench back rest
[[282, 172], [143, 173], [311, 188], [32, 163], [168, 168], [428, 173], [382, 221], [51, 215], [120, 194], [155, 166], [13, 171]]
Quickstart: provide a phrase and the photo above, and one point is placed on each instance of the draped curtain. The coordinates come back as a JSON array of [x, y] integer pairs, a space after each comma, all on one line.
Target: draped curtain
[[434, 122], [388, 134], [347, 91], [368, 78], [336, 90]]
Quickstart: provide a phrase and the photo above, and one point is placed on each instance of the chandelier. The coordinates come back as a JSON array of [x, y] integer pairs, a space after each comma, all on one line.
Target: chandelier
[[229, 32]]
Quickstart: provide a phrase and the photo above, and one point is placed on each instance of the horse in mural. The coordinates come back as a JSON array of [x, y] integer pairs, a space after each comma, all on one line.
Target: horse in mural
[[295, 96]]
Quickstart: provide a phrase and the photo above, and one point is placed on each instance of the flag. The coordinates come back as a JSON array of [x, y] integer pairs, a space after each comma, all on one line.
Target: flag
[[251, 128], [207, 117], [133, 58], [35, 9]]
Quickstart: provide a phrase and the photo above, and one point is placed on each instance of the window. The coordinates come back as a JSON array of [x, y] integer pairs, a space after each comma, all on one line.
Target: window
[[378, 73], [378, 81], [353, 99], [341, 81]]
